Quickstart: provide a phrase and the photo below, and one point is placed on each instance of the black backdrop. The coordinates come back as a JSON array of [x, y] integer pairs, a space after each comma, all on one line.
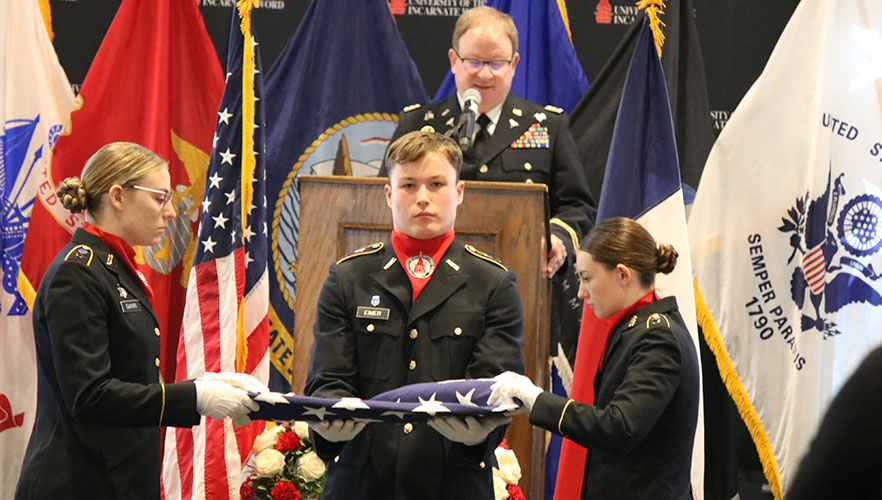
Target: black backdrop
[[737, 36]]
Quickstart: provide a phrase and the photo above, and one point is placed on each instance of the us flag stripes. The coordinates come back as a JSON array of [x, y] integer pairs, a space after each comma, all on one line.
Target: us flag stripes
[[225, 326]]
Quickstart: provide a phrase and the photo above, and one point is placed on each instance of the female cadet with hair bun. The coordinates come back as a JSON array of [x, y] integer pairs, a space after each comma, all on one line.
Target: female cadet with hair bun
[[100, 397], [641, 427]]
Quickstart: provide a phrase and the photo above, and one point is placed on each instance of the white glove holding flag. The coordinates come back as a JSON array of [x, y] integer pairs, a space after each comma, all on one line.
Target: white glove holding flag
[[510, 386], [468, 431], [238, 380], [218, 400], [337, 430]]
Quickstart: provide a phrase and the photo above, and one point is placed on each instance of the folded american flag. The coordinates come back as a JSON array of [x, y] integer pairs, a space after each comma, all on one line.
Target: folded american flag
[[411, 403]]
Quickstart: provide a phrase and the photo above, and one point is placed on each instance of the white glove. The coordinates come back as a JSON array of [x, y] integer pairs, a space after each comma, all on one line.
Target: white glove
[[218, 400], [468, 431], [238, 380], [509, 387], [337, 430]]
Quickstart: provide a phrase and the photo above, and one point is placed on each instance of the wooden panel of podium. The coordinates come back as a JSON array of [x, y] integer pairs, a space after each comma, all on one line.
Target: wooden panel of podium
[[509, 221]]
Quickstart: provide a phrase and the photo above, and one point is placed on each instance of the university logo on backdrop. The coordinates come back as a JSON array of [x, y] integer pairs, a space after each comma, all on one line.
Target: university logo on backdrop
[[447, 8], [613, 12], [834, 236], [356, 145]]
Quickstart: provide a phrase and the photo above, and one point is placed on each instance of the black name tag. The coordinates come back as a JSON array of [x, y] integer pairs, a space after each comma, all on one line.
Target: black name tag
[[130, 306], [372, 313]]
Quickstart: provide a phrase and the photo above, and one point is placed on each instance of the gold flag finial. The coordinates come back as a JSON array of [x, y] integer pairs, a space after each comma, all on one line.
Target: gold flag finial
[[654, 8]]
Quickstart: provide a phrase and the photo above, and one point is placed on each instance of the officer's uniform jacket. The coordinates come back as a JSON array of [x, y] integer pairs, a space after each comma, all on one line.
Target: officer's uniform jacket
[[466, 323], [530, 144], [639, 433], [100, 402]]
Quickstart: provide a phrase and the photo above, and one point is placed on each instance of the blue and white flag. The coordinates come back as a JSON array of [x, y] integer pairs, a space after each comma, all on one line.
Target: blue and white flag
[[410, 403], [786, 229], [642, 182], [35, 100]]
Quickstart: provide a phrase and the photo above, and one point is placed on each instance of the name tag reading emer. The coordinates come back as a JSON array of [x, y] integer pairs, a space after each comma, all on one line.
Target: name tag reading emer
[[129, 306], [372, 312]]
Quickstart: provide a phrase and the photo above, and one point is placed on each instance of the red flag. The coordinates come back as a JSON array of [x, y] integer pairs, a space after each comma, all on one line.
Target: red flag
[[155, 81]]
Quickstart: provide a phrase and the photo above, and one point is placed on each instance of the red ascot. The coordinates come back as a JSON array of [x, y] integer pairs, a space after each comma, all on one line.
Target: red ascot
[[616, 318], [406, 248], [125, 252]]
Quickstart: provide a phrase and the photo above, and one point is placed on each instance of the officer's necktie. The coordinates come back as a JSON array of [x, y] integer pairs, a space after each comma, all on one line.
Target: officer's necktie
[[482, 137]]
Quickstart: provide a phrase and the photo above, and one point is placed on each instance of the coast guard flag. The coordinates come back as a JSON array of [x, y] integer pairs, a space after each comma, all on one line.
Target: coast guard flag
[[333, 98], [642, 182], [785, 231], [35, 99], [225, 327], [549, 71]]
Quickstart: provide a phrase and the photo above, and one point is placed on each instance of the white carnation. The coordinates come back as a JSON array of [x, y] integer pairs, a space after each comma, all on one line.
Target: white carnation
[[267, 439], [310, 467], [269, 463], [500, 491], [509, 468], [301, 429]]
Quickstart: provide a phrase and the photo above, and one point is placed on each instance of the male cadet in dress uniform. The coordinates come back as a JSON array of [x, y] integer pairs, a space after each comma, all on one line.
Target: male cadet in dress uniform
[[515, 140], [422, 307]]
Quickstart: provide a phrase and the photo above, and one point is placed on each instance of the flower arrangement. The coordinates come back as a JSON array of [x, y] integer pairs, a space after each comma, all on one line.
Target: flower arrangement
[[506, 477], [284, 466]]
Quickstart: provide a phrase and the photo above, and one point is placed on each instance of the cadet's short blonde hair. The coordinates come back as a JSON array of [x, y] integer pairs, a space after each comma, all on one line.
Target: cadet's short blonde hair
[[481, 15], [414, 146]]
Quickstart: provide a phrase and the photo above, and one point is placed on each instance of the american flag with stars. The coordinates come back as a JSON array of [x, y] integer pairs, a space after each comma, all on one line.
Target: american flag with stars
[[227, 296], [410, 403]]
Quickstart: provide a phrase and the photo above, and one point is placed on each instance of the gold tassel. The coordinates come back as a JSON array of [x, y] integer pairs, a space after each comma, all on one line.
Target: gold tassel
[[248, 160], [739, 395], [46, 11], [654, 8]]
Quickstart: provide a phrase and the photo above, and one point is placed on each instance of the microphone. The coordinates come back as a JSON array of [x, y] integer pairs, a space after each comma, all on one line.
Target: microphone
[[466, 126]]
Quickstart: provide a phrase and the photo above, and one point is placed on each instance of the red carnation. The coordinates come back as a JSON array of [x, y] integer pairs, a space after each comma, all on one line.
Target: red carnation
[[288, 441], [246, 492], [285, 490], [514, 492]]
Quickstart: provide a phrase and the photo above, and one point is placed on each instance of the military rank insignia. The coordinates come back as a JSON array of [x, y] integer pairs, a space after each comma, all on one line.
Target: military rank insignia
[[535, 137]]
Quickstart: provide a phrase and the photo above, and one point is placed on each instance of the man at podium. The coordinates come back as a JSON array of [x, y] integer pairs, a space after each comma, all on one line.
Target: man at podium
[[420, 307], [506, 138]]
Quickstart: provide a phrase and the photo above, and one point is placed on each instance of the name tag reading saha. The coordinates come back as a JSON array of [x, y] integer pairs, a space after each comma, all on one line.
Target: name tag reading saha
[[372, 312]]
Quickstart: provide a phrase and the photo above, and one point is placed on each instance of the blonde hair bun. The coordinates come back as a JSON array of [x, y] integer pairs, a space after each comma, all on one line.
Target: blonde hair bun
[[72, 193]]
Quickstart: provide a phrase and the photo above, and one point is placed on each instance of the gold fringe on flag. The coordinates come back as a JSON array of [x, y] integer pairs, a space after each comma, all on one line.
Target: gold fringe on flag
[[654, 8], [739, 394], [46, 11], [249, 162], [562, 7]]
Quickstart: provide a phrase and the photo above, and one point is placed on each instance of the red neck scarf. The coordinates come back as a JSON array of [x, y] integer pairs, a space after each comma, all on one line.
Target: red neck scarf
[[613, 321], [124, 252], [407, 248]]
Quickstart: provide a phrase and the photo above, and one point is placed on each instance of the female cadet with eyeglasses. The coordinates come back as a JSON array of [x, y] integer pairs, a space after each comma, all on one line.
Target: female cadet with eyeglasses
[[101, 399], [640, 429]]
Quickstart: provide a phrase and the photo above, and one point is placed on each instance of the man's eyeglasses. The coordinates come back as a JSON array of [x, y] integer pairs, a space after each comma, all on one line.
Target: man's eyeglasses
[[475, 65], [166, 195]]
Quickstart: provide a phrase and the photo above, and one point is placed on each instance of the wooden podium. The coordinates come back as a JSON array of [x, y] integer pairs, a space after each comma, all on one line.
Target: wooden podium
[[339, 214]]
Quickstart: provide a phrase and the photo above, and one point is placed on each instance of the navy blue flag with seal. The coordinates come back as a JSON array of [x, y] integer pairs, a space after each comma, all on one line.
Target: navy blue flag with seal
[[332, 101]]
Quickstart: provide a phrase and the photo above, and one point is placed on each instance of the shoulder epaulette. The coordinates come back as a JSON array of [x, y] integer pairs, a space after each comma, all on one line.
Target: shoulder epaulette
[[376, 247], [481, 255], [412, 107], [553, 109], [80, 252], [657, 318]]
